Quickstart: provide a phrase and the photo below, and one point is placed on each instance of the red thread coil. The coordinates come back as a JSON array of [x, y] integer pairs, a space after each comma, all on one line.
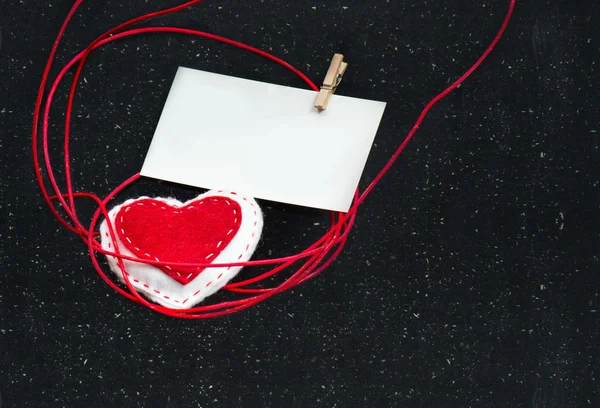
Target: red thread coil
[[315, 258]]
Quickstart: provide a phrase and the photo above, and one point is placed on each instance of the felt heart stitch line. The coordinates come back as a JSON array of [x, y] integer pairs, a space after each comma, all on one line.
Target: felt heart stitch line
[[210, 236], [220, 227]]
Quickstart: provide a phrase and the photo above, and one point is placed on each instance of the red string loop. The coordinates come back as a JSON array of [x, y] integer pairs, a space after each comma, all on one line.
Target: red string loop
[[313, 260]]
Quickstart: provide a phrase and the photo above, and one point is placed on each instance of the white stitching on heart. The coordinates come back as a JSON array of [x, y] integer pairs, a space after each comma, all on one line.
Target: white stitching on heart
[[178, 212], [169, 268]]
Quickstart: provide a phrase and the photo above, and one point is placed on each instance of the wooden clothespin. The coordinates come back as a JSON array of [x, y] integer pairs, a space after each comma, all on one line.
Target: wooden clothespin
[[332, 80]]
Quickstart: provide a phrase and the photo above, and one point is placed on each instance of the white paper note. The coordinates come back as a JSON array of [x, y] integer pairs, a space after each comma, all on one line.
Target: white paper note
[[265, 140]]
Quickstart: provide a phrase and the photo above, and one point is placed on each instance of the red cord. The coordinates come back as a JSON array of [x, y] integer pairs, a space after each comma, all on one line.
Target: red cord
[[313, 260]]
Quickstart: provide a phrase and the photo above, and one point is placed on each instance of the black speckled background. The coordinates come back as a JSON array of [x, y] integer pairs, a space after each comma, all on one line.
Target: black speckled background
[[470, 280]]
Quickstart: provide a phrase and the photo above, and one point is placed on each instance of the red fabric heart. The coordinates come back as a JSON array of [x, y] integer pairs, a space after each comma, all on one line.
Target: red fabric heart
[[195, 233]]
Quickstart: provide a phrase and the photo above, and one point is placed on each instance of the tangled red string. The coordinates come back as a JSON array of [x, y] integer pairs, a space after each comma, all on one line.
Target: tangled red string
[[314, 259]]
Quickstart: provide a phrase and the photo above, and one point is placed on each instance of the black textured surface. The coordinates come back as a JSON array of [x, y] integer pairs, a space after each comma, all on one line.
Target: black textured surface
[[470, 280]]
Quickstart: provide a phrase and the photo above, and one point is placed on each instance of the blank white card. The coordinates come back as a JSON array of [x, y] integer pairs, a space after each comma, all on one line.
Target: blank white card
[[267, 141]]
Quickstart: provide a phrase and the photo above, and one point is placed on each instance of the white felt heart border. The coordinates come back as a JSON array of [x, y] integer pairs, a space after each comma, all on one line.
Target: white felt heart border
[[160, 287]]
